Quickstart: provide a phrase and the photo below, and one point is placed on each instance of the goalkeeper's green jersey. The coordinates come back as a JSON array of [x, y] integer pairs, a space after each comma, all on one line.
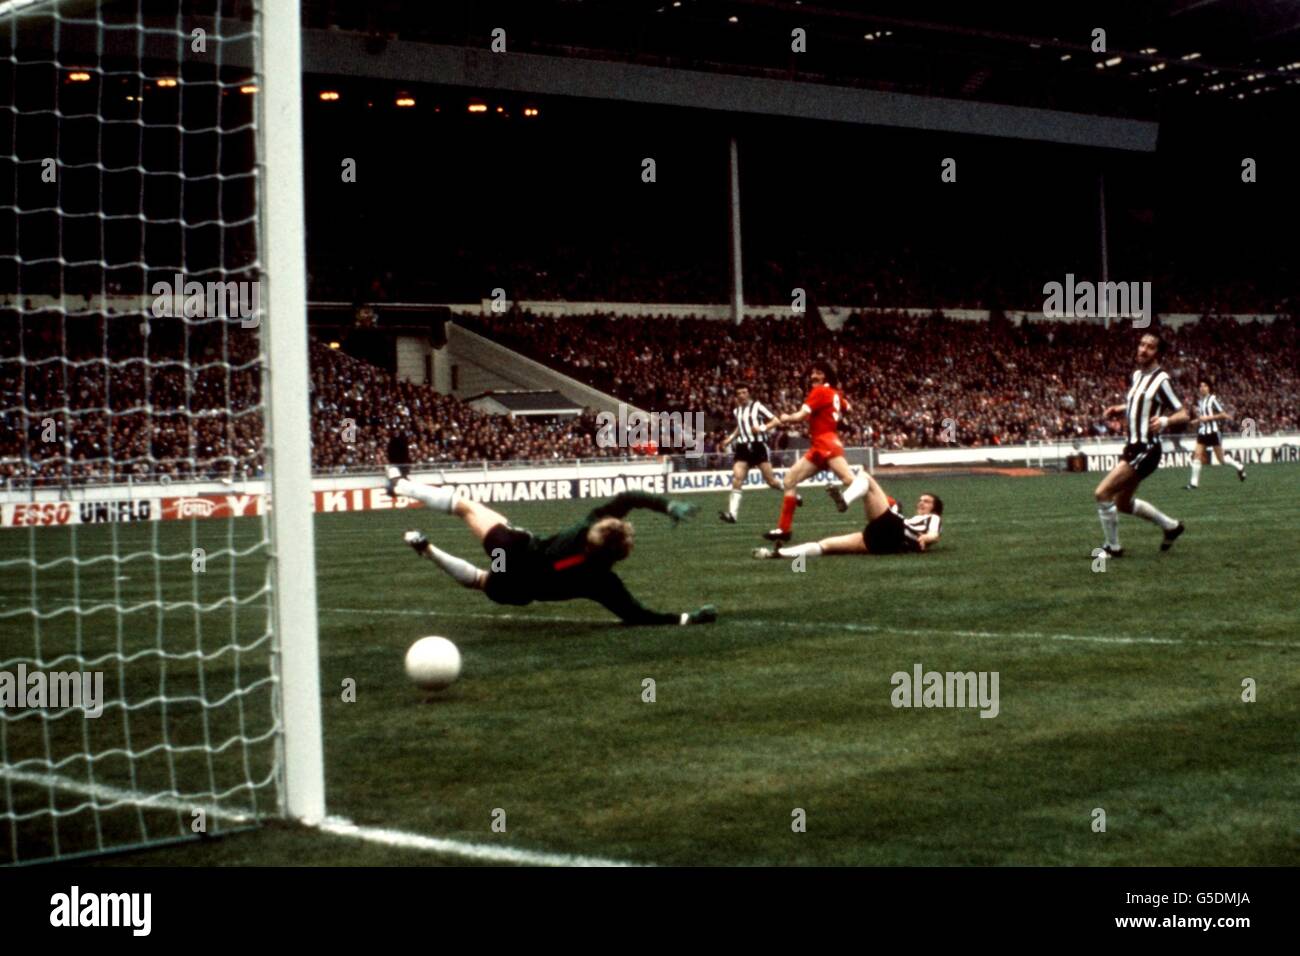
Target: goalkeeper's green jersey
[[559, 568]]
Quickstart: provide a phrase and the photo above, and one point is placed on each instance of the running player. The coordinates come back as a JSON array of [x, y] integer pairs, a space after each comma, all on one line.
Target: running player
[[822, 409], [575, 563], [1209, 412], [1150, 408], [750, 450], [887, 531]]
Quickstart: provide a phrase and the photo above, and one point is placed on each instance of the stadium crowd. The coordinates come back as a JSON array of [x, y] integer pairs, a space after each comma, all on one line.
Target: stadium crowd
[[68, 413], [357, 406], [72, 413], [905, 277], [915, 381]]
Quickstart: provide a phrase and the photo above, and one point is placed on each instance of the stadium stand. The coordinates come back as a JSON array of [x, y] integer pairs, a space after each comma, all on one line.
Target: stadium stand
[[999, 382], [151, 422]]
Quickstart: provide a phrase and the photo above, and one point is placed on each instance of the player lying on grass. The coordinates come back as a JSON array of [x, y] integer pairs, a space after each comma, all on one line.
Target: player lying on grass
[[887, 531], [575, 563]]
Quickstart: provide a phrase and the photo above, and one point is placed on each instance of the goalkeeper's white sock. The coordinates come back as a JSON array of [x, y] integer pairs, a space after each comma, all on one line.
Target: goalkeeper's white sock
[[1153, 514], [437, 497], [733, 504], [857, 488], [810, 550], [1109, 515], [1196, 474], [461, 571]]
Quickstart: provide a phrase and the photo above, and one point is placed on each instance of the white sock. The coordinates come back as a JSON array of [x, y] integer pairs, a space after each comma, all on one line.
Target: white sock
[[1143, 509], [1233, 462], [1109, 515], [733, 505], [437, 497], [1196, 474], [810, 550], [857, 488], [464, 573]]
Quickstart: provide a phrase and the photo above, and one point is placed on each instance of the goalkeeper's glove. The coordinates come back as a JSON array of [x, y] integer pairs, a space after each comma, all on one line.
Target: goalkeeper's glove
[[705, 615], [677, 510]]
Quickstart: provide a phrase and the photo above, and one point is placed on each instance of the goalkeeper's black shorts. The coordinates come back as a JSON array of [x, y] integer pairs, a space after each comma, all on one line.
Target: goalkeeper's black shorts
[[512, 581]]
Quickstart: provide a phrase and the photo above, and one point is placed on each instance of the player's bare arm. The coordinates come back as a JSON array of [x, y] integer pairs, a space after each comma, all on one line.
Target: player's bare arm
[[1160, 423], [789, 418]]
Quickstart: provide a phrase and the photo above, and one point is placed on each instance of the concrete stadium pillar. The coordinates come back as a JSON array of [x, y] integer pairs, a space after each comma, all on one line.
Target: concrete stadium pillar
[[737, 281], [1104, 252]]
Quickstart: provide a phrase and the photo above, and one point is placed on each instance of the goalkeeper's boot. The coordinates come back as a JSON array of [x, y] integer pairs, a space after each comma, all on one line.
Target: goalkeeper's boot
[[762, 553], [776, 534], [726, 516], [1171, 536], [837, 496], [418, 542]]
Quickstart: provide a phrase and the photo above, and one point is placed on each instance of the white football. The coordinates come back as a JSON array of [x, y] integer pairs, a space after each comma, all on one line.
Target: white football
[[433, 663]]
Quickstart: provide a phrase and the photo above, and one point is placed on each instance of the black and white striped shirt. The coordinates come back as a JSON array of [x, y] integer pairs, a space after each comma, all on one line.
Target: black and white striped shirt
[[1205, 407], [748, 418], [918, 525], [1150, 394]]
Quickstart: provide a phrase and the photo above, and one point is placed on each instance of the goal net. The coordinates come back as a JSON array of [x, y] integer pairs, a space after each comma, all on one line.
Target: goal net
[[148, 692]]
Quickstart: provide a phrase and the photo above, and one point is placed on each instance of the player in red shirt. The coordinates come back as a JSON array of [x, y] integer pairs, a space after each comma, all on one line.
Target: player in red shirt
[[822, 409]]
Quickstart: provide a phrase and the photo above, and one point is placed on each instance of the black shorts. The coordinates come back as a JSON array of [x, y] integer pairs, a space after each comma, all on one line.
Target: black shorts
[[515, 545], [1144, 456], [1209, 441], [752, 453], [887, 534]]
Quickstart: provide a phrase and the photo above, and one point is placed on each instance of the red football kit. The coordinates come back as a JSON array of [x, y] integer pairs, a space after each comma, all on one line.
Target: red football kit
[[826, 404]]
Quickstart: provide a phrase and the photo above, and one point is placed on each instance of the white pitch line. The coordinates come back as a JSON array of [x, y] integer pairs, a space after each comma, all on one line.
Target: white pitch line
[[399, 839], [335, 826], [859, 628]]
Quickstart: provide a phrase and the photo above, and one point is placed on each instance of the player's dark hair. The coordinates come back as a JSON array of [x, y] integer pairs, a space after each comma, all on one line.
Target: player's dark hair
[[1161, 344], [827, 369], [1206, 380], [938, 503]]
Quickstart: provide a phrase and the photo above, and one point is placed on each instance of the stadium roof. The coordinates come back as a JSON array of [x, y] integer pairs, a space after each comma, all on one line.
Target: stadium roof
[[1160, 55], [525, 403]]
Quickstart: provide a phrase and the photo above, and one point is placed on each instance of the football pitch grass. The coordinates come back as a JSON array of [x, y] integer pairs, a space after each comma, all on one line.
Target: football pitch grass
[[1119, 691]]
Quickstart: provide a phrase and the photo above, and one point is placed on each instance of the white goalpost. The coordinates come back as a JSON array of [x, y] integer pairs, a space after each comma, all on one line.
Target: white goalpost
[[159, 670], [289, 424]]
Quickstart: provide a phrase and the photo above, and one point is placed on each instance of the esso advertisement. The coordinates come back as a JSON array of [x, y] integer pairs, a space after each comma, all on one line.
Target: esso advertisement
[[38, 514]]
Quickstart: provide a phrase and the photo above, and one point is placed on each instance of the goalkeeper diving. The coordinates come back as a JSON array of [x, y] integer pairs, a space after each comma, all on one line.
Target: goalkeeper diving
[[576, 563]]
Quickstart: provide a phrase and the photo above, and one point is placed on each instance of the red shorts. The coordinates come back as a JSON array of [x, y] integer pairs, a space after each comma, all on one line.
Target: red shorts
[[824, 448]]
